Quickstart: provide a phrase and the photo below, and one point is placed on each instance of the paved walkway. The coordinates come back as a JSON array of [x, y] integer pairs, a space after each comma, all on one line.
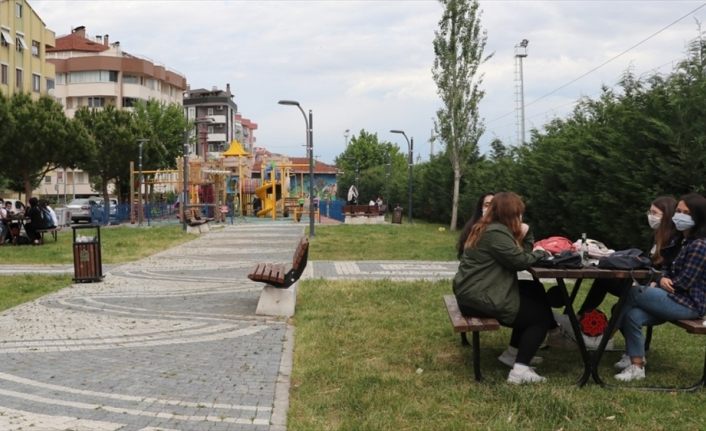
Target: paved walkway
[[170, 342]]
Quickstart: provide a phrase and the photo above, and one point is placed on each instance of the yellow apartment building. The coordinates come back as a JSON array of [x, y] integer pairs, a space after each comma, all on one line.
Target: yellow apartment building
[[23, 41]]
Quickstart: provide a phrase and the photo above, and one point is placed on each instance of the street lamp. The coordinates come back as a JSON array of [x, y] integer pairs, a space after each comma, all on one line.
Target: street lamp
[[141, 181], [310, 152], [345, 136], [410, 147], [520, 53], [185, 156]]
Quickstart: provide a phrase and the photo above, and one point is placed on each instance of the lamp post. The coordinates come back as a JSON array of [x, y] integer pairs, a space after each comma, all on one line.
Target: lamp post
[[141, 180], [410, 147], [388, 172], [345, 136], [310, 153], [520, 53], [185, 191]]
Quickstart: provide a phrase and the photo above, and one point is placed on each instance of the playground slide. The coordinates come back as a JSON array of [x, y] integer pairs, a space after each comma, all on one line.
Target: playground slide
[[262, 192]]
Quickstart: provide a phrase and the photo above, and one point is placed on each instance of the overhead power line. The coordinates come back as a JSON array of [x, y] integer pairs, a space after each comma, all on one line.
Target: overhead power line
[[606, 62]]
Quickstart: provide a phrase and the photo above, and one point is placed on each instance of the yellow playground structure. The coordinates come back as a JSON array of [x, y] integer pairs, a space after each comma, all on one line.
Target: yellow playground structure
[[223, 185]]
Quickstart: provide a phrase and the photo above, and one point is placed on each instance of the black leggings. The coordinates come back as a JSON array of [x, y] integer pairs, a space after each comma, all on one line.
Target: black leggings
[[534, 318]]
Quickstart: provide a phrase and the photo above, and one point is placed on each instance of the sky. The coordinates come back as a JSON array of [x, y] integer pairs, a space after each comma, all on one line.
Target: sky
[[366, 65]]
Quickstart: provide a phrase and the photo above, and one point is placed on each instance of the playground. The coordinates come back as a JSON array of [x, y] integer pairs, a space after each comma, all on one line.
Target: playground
[[237, 185]]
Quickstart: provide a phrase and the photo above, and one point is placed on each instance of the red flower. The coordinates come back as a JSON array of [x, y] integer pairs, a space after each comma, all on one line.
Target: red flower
[[593, 322]]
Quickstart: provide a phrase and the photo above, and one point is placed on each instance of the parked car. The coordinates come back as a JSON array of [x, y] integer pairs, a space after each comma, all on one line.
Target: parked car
[[81, 209], [113, 205]]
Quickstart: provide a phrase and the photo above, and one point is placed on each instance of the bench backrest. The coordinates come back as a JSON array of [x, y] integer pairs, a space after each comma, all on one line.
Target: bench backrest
[[299, 261]]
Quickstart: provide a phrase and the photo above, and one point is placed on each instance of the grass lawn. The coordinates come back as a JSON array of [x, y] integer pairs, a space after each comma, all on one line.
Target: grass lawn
[[118, 244], [17, 289], [382, 356], [420, 241]]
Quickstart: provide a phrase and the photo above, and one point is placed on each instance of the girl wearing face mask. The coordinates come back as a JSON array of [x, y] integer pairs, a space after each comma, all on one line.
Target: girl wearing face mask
[[679, 294], [667, 241]]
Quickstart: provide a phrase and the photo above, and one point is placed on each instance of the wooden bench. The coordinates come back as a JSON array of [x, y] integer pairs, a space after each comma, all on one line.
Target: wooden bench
[[363, 210], [692, 326], [53, 231], [278, 275], [465, 324]]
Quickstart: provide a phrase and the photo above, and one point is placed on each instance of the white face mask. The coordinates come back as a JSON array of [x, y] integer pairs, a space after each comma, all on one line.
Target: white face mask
[[654, 221], [683, 222]]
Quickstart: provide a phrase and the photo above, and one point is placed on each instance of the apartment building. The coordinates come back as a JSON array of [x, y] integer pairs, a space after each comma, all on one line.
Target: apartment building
[[93, 72], [24, 41]]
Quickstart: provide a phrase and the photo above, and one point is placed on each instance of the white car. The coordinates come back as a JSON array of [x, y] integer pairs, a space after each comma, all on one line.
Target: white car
[[81, 209]]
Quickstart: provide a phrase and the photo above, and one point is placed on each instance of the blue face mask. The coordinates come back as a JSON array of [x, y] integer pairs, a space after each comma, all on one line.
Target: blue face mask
[[683, 221]]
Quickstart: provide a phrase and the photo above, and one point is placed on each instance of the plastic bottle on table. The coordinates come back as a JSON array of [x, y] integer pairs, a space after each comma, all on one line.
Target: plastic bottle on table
[[584, 250]]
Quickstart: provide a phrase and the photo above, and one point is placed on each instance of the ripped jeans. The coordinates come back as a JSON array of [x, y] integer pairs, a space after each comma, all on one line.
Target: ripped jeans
[[648, 306]]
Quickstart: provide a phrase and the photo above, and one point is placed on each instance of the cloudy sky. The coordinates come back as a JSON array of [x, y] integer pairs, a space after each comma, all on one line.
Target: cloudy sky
[[367, 64]]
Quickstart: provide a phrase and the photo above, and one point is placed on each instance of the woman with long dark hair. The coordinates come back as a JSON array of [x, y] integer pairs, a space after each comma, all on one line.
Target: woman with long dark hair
[[481, 207], [486, 283]]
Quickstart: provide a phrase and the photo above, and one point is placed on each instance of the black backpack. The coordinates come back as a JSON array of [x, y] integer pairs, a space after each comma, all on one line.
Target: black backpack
[[631, 258], [565, 259]]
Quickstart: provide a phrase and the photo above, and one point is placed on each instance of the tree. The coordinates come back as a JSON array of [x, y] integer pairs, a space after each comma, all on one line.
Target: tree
[[364, 162], [163, 125], [37, 138], [458, 47], [114, 135]]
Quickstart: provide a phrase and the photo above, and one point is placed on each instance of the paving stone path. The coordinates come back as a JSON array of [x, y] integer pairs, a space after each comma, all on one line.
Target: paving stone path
[[170, 342]]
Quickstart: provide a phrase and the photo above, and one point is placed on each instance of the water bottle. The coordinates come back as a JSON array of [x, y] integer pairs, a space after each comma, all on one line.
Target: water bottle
[[584, 250]]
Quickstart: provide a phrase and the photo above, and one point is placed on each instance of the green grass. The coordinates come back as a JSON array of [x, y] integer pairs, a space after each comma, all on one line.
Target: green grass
[[118, 244], [17, 289], [420, 241], [382, 356]]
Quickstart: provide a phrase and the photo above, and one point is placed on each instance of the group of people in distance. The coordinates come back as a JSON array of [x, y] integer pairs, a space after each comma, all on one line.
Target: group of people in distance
[[35, 217], [495, 244]]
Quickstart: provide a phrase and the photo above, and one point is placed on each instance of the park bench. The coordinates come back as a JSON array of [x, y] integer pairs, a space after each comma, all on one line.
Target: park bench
[[52, 230], [196, 221], [278, 275], [279, 295], [362, 210], [463, 324]]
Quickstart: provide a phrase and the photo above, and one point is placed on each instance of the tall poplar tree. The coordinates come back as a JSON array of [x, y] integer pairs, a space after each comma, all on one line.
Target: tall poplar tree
[[458, 46]]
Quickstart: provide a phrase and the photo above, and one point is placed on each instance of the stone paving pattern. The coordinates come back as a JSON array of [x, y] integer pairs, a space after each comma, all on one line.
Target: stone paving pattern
[[169, 342]]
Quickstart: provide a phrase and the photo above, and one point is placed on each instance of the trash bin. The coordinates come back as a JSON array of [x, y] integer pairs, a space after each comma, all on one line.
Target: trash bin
[[397, 215], [88, 265]]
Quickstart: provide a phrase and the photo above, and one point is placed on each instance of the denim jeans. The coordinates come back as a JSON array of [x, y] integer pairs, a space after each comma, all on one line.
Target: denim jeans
[[648, 306]]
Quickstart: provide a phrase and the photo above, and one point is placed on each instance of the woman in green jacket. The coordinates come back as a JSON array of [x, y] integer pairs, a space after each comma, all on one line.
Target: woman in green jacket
[[486, 284]]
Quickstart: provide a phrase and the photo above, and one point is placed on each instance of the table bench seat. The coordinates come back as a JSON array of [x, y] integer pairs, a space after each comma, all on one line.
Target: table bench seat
[[53, 231], [462, 324]]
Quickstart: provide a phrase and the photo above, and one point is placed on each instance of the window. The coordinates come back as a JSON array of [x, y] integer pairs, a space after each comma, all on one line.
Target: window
[[18, 78], [91, 76], [18, 10], [5, 39], [36, 80], [21, 44], [47, 179], [129, 102], [69, 103], [80, 177], [3, 74], [96, 102], [59, 177], [50, 84], [191, 115], [131, 79], [210, 129], [35, 48], [210, 111]]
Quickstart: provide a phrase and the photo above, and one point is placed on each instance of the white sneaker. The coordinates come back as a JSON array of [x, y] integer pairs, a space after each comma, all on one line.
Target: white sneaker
[[632, 372], [524, 374], [508, 358], [625, 362]]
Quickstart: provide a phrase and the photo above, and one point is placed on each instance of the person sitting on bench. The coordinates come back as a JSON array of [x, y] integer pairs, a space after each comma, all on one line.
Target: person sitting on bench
[[486, 284], [36, 221], [680, 293]]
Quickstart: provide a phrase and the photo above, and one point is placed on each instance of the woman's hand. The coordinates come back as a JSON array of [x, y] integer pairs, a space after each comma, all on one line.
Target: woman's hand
[[666, 284], [524, 229]]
